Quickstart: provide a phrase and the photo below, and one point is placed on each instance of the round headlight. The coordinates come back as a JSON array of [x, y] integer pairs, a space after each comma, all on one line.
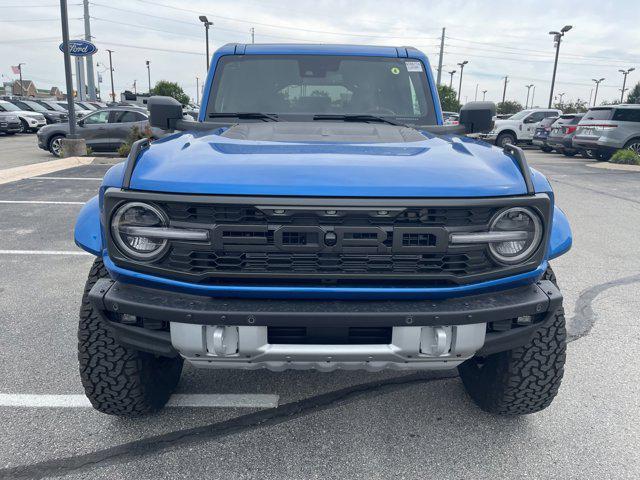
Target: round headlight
[[128, 225], [516, 219]]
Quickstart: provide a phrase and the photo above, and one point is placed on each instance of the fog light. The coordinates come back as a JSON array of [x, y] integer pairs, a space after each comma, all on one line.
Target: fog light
[[222, 340]]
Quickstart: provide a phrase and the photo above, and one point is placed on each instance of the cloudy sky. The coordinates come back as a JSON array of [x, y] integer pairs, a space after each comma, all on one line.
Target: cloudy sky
[[498, 38]]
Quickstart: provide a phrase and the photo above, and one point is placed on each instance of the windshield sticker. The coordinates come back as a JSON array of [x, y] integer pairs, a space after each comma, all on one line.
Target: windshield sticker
[[395, 70], [413, 66]]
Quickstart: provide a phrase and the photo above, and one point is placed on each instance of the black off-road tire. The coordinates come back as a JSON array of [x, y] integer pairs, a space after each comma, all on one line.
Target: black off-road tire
[[523, 380], [546, 149], [119, 380]]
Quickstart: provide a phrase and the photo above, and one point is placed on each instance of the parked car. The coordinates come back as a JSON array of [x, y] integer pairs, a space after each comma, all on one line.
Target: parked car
[[97, 104], [520, 127], [9, 123], [33, 106], [58, 106], [81, 112], [87, 106], [603, 130], [104, 130], [339, 226], [29, 121], [562, 132], [450, 118], [542, 133]]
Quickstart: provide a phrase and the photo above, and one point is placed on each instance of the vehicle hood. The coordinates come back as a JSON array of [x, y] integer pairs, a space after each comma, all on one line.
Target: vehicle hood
[[326, 159]]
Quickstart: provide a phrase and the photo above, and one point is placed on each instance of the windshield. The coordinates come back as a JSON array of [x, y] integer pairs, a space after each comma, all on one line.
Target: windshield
[[53, 106], [9, 107], [300, 86], [520, 115], [34, 106]]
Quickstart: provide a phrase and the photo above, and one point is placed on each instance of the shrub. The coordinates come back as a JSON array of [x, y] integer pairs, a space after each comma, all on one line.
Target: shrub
[[625, 157], [134, 135]]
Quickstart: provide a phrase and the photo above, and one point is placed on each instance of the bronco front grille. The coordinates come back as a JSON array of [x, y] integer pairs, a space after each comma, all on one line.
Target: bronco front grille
[[285, 241]]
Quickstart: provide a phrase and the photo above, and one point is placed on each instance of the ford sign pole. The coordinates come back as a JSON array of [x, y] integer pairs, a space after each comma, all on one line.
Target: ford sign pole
[[72, 145]]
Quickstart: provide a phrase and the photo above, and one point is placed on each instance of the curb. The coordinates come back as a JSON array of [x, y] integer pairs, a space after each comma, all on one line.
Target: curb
[[615, 166], [27, 171]]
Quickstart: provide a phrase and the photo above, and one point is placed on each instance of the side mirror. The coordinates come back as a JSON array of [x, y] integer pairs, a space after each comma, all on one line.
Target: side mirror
[[164, 112], [477, 116], [81, 123]]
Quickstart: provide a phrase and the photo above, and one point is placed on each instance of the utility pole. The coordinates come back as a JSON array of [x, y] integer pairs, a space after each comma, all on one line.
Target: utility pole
[[533, 95], [91, 83], [475, 98], [595, 96], [253, 35], [207, 24], [149, 74], [20, 73], [504, 91], [197, 90], [624, 82], [526, 104], [557, 36], [484, 94], [113, 92], [72, 143], [461, 65], [440, 57], [452, 72]]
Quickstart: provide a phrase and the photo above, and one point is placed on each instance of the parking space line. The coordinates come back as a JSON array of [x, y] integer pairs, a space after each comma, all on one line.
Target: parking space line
[[177, 400], [43, 252], [40, 202], [93, 179], [19, 173]]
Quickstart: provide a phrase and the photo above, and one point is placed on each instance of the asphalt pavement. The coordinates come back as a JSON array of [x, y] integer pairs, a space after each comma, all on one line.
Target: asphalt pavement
[[327, 425]]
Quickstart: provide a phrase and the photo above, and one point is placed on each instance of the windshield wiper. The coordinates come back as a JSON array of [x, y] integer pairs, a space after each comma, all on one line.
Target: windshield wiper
[[247, 115], [358, 118]]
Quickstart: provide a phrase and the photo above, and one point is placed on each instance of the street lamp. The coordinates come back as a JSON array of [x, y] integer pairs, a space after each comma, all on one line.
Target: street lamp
[[452, 73], [557, 37], [595, 96], [207, 24], [113, 92], [484, 94], [624, 82], [149, 74], [461, 65], [559, 96], [526, 104]]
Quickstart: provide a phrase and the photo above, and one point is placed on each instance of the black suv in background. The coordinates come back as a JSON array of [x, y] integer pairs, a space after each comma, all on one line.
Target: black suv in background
[[50, 115]]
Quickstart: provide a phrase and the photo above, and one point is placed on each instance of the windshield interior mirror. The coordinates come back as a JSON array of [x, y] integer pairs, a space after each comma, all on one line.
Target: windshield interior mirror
[[164, 112], [477, 116]]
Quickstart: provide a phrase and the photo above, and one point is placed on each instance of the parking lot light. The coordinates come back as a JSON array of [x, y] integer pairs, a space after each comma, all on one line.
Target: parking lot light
[[624, 82], [207, 24], [461, 65], [528, 90], [595, 96], [557, 37], [452, 73]]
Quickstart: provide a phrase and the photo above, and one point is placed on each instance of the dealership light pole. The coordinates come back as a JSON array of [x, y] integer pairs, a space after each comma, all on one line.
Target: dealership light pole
[[595, 95], [526, 104], [559, 97], [113, 92], [452, 73], [207, 24], [624, 82], [149, 74], [557, 36], [484, 94], [461, 65], [533, 94], [504, 91], [91, 81]]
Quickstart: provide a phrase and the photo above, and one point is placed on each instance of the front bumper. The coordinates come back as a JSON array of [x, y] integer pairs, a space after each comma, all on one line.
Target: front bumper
[[426, 334], [10, 127]]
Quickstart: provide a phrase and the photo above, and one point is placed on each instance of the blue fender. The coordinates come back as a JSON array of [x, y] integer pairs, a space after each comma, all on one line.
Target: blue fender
[[561, 239], [87, 233]]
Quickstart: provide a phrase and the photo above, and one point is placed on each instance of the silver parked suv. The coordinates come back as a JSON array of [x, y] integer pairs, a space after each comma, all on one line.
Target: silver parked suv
[[604, 130]]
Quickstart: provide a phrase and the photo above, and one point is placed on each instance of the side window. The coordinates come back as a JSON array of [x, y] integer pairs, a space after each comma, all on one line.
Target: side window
[[550, 114], [534, 117], [97, 118], [627, 115], [129, 116]]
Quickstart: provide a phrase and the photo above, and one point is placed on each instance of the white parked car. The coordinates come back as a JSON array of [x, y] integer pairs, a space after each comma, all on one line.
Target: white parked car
[[29, 121], [520, 127]]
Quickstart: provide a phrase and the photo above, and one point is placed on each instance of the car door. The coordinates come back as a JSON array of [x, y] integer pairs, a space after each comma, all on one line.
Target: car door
[[93, 128], [124, 122]]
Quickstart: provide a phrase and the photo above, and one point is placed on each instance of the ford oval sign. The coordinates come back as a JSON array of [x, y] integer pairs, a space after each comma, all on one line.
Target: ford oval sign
[[80, 48]]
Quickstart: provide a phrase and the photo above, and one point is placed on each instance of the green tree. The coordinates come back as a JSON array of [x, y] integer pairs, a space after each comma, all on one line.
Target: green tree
[[634, 94], [448, 99], [170, 89], [577, 106], [508, 107]]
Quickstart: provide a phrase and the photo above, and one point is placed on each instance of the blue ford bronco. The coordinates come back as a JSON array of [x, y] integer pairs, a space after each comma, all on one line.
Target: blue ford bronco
[[319, 215]]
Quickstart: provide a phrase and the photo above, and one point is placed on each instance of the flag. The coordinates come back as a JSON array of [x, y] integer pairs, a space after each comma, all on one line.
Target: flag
[[15, 70]]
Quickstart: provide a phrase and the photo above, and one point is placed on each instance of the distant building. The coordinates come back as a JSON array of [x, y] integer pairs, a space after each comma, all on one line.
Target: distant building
[[28, 89]]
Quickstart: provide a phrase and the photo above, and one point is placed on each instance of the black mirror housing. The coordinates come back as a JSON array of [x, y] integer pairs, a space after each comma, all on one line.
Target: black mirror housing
[[164, 112], [477, 116]]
